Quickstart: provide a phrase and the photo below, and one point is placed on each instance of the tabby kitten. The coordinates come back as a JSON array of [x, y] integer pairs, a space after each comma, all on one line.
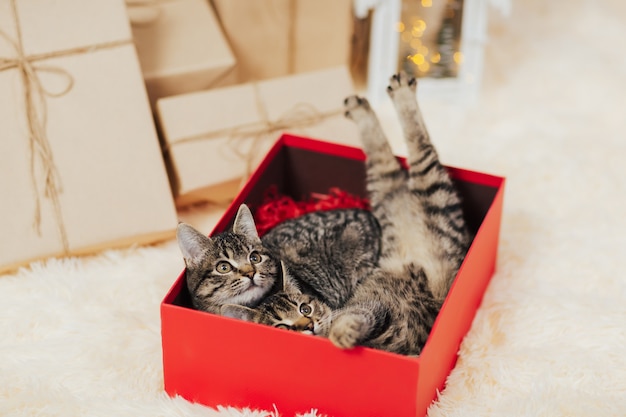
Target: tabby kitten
[[230, 268], [288, 309], [424, 236], [324, 255], [327, 252]]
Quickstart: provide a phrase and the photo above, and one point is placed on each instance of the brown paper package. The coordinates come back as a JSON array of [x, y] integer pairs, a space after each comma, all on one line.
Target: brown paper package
[[91, 118], [273, 38], [215, 138], [181, 47]]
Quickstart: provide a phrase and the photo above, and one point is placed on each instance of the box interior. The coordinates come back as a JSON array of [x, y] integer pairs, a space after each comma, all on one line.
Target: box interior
[[297, 172]]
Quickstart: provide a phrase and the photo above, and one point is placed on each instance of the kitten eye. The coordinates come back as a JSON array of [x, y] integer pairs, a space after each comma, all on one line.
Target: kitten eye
[[223, 267], [282, 326], [255, 257], [305, 309]]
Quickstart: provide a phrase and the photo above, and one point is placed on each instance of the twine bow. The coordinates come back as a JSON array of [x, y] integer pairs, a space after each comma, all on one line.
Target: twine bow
[[35, 107]]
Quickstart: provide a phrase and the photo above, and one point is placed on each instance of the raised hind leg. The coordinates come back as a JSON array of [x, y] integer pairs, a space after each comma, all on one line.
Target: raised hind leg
[[384, 172], [429, 180], [386, 177], [423, 160]]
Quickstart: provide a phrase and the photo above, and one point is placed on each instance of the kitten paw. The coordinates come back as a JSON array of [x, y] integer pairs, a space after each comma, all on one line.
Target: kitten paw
[[401, 83], [356, 107], [347, 331]]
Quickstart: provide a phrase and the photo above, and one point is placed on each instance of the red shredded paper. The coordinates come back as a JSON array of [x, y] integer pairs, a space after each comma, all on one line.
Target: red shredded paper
[[277, 208]]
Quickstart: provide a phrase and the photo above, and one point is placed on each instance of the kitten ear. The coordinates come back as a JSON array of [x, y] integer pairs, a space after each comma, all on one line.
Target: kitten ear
[[236, 311], [244, 223], [192, 243], [351, 241], [289, 283], [352, 233]]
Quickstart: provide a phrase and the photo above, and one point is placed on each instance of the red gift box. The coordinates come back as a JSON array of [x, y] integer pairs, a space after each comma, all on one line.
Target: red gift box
[[215, 360]]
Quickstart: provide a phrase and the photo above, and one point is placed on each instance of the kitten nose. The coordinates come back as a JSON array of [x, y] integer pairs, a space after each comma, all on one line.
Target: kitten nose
[[248, 273], [303, 323]]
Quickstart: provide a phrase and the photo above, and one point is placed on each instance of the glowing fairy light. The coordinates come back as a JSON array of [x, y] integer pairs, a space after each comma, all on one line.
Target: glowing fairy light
[[418, 59], [437, 54], [417, 32], [419, 25]]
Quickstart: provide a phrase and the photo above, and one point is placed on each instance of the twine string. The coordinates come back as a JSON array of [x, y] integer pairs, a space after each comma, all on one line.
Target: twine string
[[298, 117]]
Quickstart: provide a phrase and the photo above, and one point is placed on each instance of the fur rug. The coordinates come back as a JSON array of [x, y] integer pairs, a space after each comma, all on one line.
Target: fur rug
[[81, 336]]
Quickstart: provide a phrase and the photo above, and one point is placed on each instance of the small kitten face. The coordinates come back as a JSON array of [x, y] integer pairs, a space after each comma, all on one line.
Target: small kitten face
[[296, 312], [243, 276], [230, 268], [288, 309]]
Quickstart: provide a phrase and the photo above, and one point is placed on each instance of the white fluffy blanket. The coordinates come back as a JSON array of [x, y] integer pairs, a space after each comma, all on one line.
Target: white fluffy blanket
[[82, 336]]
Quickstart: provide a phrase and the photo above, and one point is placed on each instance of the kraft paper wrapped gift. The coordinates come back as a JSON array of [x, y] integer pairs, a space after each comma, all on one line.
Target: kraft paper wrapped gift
[[273, 38], [181, 46], [80, 163], [216, 137]]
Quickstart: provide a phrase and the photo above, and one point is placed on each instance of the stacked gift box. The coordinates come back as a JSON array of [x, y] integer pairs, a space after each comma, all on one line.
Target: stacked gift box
[[227, 78], [103, 97], [215, 138], [274, 38], [181, 47], [81, 166]]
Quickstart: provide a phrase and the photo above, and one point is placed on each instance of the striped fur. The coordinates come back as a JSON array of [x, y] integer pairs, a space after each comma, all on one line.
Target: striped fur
[[250, 273], [424, 236], [325, 256], [327, 252], [288, 309], [423, 240]]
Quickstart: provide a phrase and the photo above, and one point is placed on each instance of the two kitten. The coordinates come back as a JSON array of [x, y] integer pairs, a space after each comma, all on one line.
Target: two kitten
[[376, 282], [324, 256]]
